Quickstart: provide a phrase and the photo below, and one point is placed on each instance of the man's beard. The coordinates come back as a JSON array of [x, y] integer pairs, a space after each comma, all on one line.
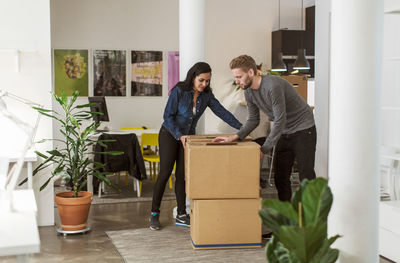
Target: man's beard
[[248, 83]]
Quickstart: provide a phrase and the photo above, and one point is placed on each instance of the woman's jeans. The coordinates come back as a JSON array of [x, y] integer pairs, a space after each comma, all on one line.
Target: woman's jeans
[[171, 151]]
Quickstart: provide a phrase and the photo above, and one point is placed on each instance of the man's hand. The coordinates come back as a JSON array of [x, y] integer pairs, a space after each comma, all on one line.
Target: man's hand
[[261, 155], [183, 140], [226, 139]]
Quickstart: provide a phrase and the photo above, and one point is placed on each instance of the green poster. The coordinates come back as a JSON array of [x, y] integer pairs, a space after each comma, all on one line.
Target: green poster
[[71, 71]]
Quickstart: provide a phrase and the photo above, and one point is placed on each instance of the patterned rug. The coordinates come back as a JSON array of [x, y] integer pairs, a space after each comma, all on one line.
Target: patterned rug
[[172, 244]]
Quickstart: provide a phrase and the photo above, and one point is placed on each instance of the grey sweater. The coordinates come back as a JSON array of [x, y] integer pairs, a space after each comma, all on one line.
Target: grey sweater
[[283, 105]]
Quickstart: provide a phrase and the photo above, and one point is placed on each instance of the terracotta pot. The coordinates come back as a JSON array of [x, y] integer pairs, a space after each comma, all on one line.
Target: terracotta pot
[[73, 211]]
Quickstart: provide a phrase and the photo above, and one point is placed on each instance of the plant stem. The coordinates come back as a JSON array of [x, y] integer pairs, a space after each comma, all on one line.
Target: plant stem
[[300, 215]]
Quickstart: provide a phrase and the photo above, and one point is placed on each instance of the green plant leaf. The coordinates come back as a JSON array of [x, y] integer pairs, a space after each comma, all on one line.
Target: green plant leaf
[[41, 155], [73, 99], [326, 254], [55, 152], [303, 242], [85, 105], [276, 252], [285, 208], [317, 201], [109, 153], [297, 195], [43, 110], [64, 98], [273, 219]]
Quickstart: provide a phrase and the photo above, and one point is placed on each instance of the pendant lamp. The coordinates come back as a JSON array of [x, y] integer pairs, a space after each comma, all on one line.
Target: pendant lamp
[[278, 65], [301, 62]]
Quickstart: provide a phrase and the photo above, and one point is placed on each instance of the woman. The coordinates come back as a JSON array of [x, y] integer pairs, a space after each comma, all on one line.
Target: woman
[[187, 102]]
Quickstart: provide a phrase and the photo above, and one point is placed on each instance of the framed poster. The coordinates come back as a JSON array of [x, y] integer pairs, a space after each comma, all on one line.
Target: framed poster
[[71, 71], [146, 77], [173, 69], [109, 69]]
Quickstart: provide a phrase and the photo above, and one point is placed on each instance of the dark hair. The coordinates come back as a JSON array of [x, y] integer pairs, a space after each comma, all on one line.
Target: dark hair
[[194, 71]]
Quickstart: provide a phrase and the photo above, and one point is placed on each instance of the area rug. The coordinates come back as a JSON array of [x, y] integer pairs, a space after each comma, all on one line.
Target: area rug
[[172, 244]]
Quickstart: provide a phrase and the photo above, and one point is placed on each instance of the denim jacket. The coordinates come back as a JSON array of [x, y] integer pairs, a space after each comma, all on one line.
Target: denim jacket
[[178, 114]]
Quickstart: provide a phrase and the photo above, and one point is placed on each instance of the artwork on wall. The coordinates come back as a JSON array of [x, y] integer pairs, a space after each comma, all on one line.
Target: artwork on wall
[[146, 77], [71, 71], [109, 69], [173, 69]]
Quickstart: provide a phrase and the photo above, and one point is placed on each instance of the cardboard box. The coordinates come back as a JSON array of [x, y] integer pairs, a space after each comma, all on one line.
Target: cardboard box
[[299, 83], [222, 171], [225, 223]]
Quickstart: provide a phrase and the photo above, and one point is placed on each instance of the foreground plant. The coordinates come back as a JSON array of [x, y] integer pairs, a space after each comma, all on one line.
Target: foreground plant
[[299, 227]]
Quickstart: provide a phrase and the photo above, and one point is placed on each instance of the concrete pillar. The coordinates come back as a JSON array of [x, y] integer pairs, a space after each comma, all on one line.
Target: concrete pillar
[[191, 39], [356, 29]]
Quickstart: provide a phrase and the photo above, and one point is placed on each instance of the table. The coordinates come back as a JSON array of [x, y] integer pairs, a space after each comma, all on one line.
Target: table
[[30, 157], [138, 135], [18, 228]]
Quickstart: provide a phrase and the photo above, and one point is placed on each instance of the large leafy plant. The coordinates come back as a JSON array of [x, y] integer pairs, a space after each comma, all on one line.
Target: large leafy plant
[[299, 227], [74, 157]]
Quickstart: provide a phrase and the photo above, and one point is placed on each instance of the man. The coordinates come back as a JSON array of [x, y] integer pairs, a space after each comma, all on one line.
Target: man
[[293, 133]]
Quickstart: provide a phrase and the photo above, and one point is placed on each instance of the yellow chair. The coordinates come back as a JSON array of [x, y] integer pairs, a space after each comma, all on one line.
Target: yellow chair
[[151, 139]]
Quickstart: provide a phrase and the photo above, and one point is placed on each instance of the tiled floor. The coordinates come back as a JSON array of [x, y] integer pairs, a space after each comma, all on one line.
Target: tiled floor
[[95, 245]]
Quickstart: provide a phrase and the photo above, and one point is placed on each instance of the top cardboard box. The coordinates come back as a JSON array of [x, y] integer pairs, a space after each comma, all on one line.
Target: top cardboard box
[[222, 171]]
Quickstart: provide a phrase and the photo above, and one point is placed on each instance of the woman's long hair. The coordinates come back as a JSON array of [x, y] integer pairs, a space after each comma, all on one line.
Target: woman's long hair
[[194, 71]]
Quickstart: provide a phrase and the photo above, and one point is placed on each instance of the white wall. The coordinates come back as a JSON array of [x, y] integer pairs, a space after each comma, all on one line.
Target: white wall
[[154, 25], [121, 24], [25, 25], [390, 95], [228, 35]]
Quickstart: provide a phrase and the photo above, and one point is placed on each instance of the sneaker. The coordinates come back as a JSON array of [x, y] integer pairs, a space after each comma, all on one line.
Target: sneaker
[[182, 220], [267, 235], [263, 183], [155, 221]]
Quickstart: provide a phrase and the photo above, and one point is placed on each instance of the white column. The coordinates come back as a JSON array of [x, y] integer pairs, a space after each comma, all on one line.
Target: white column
[[356, 38], [191, 39], [321, 111]]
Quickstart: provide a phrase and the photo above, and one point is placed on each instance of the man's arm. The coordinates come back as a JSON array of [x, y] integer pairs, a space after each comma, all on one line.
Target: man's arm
[[277, 96], [226, 139], [253, 118]]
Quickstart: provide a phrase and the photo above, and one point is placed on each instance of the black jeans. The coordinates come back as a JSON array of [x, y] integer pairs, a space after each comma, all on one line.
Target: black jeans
[[300, 146], [171, 150]]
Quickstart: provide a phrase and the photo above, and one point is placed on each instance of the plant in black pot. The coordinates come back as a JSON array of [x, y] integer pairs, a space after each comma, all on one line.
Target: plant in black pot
[[299, 227], [73, 159]]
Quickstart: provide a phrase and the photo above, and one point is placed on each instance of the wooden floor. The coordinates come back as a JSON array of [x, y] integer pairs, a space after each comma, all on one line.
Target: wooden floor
[[95, 246]]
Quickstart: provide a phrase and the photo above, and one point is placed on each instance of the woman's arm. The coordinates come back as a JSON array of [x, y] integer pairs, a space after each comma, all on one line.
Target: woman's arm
[[170, 112], [223, 113]]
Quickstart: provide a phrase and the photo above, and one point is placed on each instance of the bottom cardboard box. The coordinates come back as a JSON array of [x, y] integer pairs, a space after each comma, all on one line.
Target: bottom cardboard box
[[225, 223]]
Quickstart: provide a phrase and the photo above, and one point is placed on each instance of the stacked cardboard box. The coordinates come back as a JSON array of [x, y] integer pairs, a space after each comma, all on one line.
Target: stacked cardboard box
[[222, 182]]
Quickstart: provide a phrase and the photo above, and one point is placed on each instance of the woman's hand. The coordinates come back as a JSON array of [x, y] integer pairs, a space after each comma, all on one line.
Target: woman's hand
[[183, 140]]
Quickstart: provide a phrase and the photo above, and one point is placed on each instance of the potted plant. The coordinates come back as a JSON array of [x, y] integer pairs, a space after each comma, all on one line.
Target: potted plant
[[73, 159], [299, 227]]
